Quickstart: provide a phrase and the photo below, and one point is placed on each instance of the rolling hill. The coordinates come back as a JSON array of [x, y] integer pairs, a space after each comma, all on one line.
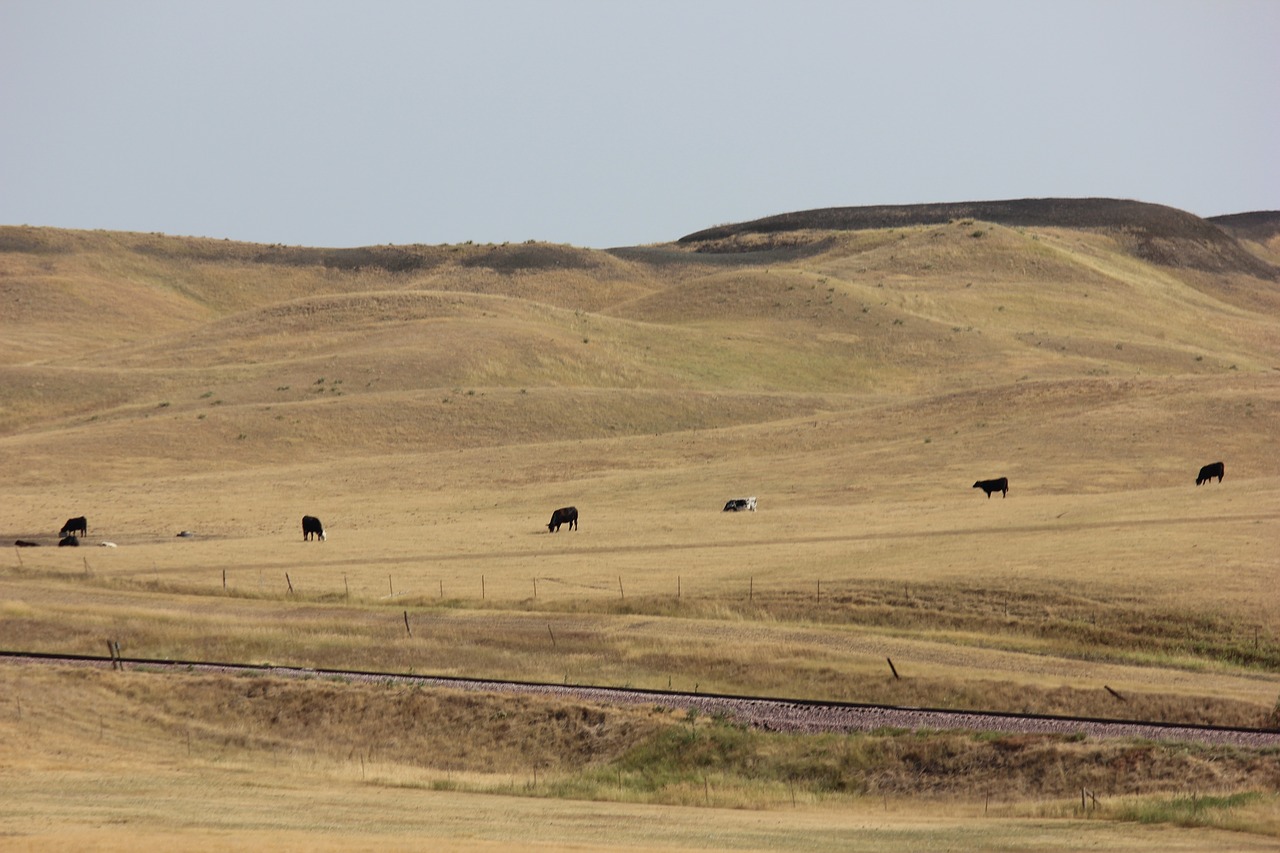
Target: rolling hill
[[856, 369]]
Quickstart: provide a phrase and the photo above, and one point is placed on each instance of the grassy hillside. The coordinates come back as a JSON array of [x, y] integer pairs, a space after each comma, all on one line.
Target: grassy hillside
[[856, 370]]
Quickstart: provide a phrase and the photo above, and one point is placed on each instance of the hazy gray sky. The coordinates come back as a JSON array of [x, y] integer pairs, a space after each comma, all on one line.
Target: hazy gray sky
[[600, 124]]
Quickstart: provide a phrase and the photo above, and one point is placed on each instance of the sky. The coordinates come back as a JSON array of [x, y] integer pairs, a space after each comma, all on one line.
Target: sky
[[601, 123]]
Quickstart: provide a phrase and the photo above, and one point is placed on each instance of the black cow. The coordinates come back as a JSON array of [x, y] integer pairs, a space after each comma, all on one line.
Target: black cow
[[1208, 472], [565, 515], [66, 541], [311, 526], [22, 543], [75, 525], [1000, 484]]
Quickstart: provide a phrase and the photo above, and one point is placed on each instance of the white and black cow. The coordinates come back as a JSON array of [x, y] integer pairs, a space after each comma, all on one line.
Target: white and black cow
[[740, 505], [1208, 472], [311, 526], [1000, 484], [565, 515]]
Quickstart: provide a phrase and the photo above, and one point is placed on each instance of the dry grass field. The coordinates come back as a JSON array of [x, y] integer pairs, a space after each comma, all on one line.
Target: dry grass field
[[434, 404]]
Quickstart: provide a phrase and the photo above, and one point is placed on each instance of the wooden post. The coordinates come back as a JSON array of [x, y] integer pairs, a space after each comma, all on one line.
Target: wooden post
[[1115, 694], [289, 582], [442, 587], [893, 668], [346, 586], [224, 580], [621, 594], [751, 589], [552, 636], [391, 590], [677, 587], [819, 592], [535, 587], [482, 587], [111, 652], [407, 629]]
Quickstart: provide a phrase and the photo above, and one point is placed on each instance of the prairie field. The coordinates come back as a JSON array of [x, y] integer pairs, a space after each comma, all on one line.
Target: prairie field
[[434, 404]]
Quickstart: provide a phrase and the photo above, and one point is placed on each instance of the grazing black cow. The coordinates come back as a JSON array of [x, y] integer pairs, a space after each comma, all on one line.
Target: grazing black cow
[[740, 505], [311, 526], [22, 543], [565, 515], [1000, 484], [66, 541], [75, 525], [1208, 472]]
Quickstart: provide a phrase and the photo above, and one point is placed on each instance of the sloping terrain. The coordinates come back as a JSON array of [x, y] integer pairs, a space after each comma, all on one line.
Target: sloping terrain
[[855, 369]]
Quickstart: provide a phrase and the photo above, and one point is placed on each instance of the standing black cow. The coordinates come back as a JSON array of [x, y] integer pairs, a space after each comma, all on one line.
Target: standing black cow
[[1208, 472], [1000, 484], [75, 525], [565, 515], [311, 526]]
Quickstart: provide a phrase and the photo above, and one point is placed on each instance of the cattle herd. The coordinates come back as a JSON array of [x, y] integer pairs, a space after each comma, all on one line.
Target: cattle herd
[[76, 527]]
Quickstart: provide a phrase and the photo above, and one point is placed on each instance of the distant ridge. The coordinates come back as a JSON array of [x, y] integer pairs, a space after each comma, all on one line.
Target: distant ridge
[[1259, 225], [1156, 233]]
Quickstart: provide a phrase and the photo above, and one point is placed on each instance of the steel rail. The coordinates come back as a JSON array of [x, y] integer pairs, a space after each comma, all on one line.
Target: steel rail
[[770, 713]]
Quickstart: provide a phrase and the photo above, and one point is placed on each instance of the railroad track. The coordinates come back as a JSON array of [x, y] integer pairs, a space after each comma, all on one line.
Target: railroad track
[[784, 715]]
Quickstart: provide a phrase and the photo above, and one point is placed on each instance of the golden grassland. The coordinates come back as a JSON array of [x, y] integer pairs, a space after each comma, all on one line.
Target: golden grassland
[[434, 404]]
